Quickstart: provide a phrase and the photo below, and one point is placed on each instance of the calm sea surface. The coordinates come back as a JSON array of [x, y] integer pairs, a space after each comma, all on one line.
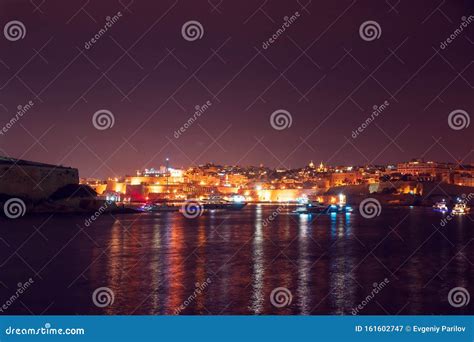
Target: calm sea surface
[[230, 262]]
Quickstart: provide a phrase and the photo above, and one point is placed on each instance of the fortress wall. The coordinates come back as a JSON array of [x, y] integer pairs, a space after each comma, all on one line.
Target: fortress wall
[[35, 182]]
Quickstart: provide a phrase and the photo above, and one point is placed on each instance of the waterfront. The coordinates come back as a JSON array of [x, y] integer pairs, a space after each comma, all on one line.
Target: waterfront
[[153, 263]]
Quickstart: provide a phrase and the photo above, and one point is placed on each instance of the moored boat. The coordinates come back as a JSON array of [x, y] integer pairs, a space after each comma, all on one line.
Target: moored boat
[[339, 208], [311, 207], [460, 209], [316, 207], [224, 205], [217, 202], [441, 206], [159, 207]]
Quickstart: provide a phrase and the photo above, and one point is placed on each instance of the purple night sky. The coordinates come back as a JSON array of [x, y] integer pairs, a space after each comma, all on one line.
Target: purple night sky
[[320, 70]]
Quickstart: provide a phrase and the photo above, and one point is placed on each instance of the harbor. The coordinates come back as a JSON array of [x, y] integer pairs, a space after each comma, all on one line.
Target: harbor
[[42, 188], [187, 247]]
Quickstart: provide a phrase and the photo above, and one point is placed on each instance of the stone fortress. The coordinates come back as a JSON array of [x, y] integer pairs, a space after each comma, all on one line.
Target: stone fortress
[[33, 181]]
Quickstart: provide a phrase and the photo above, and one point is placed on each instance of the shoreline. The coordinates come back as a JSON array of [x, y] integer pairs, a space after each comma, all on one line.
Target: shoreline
[[130, 210]]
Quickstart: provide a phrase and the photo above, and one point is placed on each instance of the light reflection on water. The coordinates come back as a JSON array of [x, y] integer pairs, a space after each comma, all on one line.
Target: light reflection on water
[[155, 263], [303, 291], [258, 264]]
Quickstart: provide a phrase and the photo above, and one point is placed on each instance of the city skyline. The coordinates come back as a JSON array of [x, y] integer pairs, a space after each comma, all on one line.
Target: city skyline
[[159, 166]]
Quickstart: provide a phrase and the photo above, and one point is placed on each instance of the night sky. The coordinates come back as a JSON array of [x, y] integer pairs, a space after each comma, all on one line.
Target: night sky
[[319, 70]]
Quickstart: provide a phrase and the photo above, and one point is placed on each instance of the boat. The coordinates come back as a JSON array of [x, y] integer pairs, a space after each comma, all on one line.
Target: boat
[[159, 207], [311, 207], [460, 209], [317, 207], [441, 206], [217, 202], [339, 208]]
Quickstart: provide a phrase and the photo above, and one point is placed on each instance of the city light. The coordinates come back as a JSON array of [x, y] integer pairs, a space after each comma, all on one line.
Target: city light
[[298, 186]]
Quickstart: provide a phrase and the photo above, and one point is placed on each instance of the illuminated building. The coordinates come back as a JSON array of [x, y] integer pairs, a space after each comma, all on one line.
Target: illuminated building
[[279, 185], [463, 179], [322, 168], [418, 167], [344, 178]]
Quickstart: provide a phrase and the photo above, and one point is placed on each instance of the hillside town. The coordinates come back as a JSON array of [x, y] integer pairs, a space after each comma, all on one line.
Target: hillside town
[[264, 184]]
